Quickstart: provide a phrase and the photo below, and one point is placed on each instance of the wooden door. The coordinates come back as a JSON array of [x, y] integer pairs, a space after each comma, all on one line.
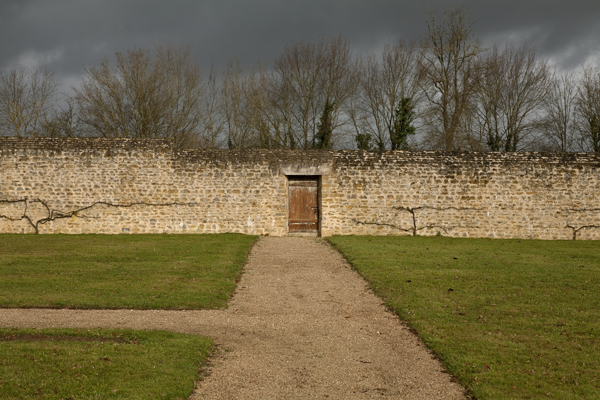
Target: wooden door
[[304, 204]]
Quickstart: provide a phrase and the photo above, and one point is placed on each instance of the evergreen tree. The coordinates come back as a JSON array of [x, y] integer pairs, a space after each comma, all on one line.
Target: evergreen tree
[[323, 137], [403, 118], [363, 141], [595, 133]]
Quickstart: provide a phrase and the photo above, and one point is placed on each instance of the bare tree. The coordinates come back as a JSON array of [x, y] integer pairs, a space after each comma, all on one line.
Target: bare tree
[[144, 96], [24, 99], [306, 78], [278, 112], [239, 132], [587, 109], [384, 84], [511, 88], [244, 108], [447, 64], [63, 122], [559, 104], [212, 127], [267, 126]]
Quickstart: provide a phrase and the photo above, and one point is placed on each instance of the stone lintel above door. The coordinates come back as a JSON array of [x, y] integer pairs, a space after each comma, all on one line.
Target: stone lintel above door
[[304, 169]]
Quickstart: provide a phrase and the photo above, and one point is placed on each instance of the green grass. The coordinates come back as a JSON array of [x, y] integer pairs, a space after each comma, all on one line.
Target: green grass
[[511, 319], [120, 271], [99, 364]]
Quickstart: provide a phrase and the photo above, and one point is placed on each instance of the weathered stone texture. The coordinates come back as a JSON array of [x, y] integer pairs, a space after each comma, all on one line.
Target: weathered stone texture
[[524, 195], [136, 186]]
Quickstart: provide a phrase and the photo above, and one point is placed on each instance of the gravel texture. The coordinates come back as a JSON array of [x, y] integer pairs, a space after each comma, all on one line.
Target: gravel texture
[[301, 325]]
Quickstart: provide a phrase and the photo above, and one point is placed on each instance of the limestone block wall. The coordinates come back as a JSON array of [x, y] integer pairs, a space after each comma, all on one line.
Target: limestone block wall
[[136, 186], [502, 195]]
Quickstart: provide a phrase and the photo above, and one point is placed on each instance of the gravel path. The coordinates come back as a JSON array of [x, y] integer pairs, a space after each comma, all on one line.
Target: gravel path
[[301, 325]]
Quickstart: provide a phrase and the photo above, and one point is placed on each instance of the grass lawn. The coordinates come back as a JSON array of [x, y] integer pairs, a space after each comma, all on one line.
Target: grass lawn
[[120, 271], [99, 364], [511, 319]]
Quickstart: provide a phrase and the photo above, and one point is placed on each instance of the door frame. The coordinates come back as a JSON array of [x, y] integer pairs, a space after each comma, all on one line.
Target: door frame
[[313, 168], [319, 205]]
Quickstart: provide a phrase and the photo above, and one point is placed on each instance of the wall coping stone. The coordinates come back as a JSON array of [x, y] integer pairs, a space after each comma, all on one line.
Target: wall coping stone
[[319, 162]]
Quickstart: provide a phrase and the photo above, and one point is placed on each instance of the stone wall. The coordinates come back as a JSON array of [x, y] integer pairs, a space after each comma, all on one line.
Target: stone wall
[[517, 195], [136, 186]]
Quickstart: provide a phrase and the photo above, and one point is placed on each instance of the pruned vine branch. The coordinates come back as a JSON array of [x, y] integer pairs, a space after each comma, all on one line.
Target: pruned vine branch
[[381, 224], [53, 214], [23, 217], [414, 229], [580, 210], [576, 230], [414, 216]]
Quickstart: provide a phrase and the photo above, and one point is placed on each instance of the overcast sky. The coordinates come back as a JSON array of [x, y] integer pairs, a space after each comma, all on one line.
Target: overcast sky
[[68, 35]]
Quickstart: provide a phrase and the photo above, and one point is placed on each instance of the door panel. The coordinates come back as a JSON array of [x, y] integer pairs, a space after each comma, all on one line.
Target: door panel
[[303, 204]]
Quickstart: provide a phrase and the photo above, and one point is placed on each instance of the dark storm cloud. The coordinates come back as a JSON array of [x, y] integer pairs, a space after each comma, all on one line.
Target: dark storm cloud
[[566, 31], [67, 36]]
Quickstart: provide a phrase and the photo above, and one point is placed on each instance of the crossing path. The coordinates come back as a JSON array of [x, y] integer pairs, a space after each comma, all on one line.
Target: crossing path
[[301, 325]]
